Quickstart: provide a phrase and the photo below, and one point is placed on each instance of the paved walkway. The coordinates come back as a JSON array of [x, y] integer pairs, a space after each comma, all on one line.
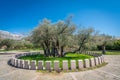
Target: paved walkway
[[109, 72]]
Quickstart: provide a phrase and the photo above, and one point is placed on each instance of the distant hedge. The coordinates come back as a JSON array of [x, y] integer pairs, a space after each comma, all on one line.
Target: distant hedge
[[111, 45]]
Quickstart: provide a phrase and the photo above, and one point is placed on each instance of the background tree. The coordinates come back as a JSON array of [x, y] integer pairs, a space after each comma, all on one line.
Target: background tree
[[105, 39], [8, 43], [84, 35]]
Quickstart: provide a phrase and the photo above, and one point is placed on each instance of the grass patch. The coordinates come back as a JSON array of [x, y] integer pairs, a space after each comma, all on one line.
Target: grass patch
[[109, 52], [113, 52]]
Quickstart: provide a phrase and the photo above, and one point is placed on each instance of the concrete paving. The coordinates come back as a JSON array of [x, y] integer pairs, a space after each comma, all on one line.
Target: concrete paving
[[109, 72]]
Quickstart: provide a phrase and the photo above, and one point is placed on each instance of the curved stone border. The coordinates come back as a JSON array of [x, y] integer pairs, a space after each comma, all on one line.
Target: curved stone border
[[26, 64]]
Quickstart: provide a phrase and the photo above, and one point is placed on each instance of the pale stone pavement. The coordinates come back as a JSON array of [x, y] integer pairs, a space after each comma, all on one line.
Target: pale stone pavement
[[109, 72]]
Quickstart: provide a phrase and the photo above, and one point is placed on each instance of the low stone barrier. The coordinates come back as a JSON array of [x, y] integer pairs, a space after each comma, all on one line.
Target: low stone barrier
[[47, 65], [21, 64], [33, 65], [92, 62], [56, 65], [26, 64], [40, 65], [65, 65], [86, 63], [96, 61], [73, 64], [80, 64]]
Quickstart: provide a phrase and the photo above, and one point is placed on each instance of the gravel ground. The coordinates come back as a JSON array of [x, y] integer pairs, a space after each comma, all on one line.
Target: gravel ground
[[109, 72]]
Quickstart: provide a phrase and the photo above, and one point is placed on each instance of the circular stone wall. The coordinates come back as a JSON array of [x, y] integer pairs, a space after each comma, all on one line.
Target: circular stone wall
[[27, 64]]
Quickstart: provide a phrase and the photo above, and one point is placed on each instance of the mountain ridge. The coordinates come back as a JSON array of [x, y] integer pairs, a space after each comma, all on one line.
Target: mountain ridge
[[8, 35]]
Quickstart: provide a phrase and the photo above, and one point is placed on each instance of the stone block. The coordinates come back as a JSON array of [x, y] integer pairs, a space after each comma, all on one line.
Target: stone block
[[65, 65], [92, 62], [73, 64], [86, 52], [20, 55], [80, 64], [90, 53], [102, 59], [40, 65], [86, 63], [94, 54], [33, 65], [16, 62], [27, 54], [16, 55], [21, 63], [23, 54], [31, 53], [99, 60], [56, 65], [96, 60], [26, 64], [48, 65]]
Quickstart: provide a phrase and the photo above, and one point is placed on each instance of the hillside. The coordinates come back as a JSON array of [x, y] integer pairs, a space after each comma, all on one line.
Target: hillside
[[8, 35]]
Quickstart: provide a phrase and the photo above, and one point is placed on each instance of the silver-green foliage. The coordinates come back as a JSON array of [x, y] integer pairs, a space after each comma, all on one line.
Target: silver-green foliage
[[60, 37]]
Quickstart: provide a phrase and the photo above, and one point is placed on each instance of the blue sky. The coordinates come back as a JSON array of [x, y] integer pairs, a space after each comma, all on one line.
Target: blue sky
[[21, 16]]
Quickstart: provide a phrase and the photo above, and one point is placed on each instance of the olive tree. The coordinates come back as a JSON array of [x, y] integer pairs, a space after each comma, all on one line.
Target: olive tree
[[42, 35], [105, 39], [80, 39], [83, 36], [52, 37], [63, 30], [60, 38]]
